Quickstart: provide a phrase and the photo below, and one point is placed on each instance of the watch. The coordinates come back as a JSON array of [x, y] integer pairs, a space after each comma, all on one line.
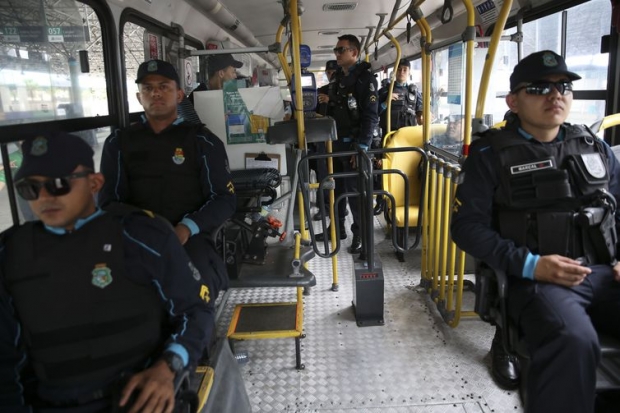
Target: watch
[[173, 361]]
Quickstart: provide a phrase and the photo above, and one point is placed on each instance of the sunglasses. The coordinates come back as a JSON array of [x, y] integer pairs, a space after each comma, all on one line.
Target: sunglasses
[[341, 49], [544, 88], [29, 189]]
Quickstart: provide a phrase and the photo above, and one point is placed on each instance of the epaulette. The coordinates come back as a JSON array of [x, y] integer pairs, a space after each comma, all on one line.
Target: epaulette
[[129, 213]]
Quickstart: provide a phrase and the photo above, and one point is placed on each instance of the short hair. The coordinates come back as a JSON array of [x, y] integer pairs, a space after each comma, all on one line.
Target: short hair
[[353, 41]]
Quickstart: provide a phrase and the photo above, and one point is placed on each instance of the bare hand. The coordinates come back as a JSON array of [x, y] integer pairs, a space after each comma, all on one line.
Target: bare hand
[[323, 98], [617, 272], [395, 96], [156, 386], [183, 233], [353, 161], [560, 270]]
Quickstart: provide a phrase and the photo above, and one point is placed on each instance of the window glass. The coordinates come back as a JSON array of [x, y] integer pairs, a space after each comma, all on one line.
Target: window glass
[[41, 78]]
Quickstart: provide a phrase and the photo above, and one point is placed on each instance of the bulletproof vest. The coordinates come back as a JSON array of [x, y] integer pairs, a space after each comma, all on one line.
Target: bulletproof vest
[[163, 171], [545, 190], [82, 319], [403, 109], [341, 89]]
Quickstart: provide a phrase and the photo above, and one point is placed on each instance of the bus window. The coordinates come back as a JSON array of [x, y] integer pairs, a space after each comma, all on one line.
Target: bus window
[[41, 78]]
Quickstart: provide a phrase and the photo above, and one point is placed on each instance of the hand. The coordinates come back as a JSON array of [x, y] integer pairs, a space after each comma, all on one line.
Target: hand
[[323, 98], [378, 163], [156, 386], [560, 270], [353, 161], [395, 96], [617, 271], [183, 233]]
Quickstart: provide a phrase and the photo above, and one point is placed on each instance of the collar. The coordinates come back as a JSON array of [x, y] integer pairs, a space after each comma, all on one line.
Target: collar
[[558, 138], [400, 84], [78, 224], [177, 121]]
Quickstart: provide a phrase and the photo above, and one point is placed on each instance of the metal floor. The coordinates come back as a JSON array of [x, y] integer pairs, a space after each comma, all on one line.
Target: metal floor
[[414, 363]]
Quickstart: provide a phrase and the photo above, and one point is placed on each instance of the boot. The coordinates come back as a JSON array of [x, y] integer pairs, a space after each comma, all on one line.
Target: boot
[[356, 245], [320, 237]]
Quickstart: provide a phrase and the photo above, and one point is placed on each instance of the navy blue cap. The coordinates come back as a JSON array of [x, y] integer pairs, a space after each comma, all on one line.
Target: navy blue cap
[[538, 66], [54, 155], [404, 62], [157, 67], [222, 61], [331, 65]]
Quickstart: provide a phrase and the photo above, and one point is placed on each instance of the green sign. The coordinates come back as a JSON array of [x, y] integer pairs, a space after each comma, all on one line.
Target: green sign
[[43, 34]]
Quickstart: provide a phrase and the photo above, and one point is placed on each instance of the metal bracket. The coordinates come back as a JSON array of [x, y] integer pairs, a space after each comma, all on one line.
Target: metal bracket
[[469, 34]]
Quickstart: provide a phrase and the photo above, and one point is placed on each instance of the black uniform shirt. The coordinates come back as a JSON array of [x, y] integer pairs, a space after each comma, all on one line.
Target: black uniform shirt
[[471, 224], [152, 253], [215, 178]]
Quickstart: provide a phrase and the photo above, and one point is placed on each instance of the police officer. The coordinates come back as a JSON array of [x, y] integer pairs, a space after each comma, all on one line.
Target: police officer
[[452, 139], [352, 102], [95, 305], [406, 108], [176, 169], [537, 201]]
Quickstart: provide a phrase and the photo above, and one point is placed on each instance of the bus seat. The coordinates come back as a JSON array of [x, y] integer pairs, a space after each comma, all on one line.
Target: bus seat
[[408, 163], [491, 305]]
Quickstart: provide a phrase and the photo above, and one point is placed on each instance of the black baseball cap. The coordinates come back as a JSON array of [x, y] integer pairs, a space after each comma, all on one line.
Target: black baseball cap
[[157, 67], [331, 65], [222, 61], [54, 155], [404, 62], [539, 65]]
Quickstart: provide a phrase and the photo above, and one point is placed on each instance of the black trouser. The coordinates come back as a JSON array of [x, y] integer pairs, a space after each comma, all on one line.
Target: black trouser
[[558, 325], [343, 164]]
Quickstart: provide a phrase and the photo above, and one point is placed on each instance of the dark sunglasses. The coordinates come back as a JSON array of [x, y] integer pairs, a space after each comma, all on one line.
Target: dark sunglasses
[[544, 88], [29, 189], [341, 49]]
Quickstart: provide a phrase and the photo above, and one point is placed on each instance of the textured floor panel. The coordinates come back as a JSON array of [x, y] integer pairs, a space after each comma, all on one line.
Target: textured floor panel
[[414, 363]]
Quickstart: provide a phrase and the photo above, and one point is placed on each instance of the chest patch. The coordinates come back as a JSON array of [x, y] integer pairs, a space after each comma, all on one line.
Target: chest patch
[[179, 156], [532, 166]]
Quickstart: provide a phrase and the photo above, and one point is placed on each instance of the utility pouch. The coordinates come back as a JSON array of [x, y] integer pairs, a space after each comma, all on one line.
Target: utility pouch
[[588, 172], [598, 228], [537, 183], [486, 292]]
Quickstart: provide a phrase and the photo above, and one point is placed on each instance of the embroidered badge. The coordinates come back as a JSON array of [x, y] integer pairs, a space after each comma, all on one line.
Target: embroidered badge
[[152, 66], [107, 247], [178, 157], [531, 167], [102, 276], [549, 60], [594, 165], [205, 294], [39, 146]]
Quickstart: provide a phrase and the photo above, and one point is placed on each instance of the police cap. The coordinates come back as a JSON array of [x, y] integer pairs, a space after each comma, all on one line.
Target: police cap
[[157, 67], [538, 66], [222, 61], [331, 65], [54, 155], [404, 62]]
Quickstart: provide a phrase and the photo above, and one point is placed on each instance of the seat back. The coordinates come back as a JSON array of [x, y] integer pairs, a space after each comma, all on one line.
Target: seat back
[[409, 164]]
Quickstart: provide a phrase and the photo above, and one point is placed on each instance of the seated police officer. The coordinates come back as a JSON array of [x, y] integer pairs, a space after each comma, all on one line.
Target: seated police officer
[[452, 139], [537, 201], [98, 309], [176, 169]]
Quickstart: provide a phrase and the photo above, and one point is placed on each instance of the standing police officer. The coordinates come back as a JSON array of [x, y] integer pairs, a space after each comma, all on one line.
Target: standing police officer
[[96, 307], [537, 201], [176, 169], [406, 108], [352, 102]]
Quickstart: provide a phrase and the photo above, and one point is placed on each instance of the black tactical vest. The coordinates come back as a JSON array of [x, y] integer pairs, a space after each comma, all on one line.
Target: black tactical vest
[[403, 109], [545, 190], [341, 88], [163, 170], [82, 319]]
